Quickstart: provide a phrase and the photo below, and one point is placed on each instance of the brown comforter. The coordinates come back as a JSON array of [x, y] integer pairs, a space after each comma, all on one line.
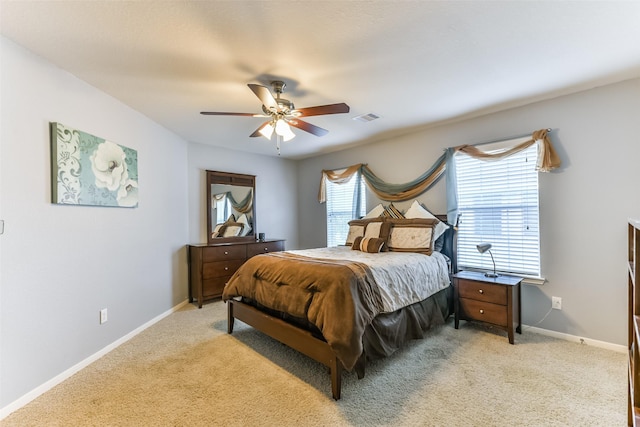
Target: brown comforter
[[340, 298]]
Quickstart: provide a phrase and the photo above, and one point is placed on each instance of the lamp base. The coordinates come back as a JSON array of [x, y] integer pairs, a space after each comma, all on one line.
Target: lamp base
[[492, 275]]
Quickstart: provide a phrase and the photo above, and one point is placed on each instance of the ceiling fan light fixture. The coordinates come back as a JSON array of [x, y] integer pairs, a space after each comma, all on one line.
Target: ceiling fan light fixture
[[266, 131], [284, 130], [288, 136]]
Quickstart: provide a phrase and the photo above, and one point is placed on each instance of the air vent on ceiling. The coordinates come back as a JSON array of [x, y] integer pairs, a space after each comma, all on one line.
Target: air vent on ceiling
[[366, 117]]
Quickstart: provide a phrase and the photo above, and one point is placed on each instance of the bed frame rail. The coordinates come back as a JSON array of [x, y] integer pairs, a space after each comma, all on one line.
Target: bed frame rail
[[296, 338]]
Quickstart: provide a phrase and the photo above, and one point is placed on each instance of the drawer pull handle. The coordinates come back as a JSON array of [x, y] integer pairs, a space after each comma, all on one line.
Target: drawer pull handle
[[481, 291], [226, 253], [226, 268], [481, 311], [266, 249]]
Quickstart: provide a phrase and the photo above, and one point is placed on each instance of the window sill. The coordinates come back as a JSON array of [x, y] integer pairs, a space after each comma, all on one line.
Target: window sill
[[535, 281]]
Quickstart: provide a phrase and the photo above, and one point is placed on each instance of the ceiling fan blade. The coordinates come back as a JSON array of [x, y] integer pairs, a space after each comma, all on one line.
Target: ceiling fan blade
[[257, 131], [308, 127], [217, 113], [323, 109], [265, 96]]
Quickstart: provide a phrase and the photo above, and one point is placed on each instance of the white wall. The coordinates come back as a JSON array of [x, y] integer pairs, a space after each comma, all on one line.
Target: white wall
[[276, 191], [584, 206], [61, 264]]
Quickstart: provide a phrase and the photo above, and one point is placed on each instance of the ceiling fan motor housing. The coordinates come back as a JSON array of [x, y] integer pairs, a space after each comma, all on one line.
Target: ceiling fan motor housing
[[284, 104], [278, 86]]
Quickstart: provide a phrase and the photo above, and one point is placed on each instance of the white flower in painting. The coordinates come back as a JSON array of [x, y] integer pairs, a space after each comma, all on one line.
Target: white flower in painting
[[128, 194], [109, 167]]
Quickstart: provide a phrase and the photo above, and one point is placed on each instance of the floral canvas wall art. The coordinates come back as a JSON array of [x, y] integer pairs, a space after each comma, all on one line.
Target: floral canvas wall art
[[88, 170]]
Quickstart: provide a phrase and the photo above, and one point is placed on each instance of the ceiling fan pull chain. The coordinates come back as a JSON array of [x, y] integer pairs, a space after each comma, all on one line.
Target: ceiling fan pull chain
[[278, 139]]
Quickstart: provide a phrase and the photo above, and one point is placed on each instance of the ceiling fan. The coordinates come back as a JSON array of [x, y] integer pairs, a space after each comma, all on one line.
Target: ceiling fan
[[282, 114]]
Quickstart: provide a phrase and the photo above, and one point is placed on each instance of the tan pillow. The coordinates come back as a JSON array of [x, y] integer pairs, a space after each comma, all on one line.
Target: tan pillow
[[411, 235], [371, 245], [356, 243], [356, 229], [377, 227], [232, 229], [370, 227], [418, 211]]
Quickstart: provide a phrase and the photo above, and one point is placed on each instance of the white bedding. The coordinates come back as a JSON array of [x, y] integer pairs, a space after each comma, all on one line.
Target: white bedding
[[403, 278]]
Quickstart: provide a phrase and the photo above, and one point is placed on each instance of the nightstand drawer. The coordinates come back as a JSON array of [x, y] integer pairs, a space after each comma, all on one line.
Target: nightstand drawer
[[480, 291], [484, 311]]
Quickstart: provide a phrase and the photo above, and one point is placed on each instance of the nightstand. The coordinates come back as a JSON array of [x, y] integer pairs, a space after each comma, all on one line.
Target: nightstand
[[492, 300]]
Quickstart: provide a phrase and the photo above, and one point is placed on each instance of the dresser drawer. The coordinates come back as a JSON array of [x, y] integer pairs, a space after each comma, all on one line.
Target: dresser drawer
[[220, 268], [264, 247], [219, 253], [486, 292], [212, 288], [484, 311]]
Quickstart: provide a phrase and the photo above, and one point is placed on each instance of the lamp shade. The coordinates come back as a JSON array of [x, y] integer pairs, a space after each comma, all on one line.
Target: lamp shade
[[483, 247]]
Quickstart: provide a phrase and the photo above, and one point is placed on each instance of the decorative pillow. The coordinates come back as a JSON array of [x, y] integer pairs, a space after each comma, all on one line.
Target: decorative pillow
[[373, 228], [371, 245], [392, 212], [232, 229], [216, 231], [412, 235], [378, 228], [231, 218], [418, 211], [356, 229], [246, 227], [375, 212], [356, 243]]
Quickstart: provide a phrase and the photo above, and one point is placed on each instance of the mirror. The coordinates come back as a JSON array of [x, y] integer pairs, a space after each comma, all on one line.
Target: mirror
[[231, 212]]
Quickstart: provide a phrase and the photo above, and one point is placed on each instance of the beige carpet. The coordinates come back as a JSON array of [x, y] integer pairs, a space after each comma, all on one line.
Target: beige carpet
[[187, 371]]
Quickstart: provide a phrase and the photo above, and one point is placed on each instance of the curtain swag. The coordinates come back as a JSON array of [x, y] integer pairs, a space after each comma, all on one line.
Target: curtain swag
[[244, 206], [548, 160]]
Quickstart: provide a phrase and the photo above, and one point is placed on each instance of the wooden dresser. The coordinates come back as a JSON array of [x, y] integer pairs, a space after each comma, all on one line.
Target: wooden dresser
[[211, 266]]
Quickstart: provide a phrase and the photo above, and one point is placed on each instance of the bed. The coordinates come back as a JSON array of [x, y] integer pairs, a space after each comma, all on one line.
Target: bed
[[345, 305]]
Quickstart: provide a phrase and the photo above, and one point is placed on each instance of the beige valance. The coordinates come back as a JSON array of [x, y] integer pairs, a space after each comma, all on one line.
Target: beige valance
[[547, 160]]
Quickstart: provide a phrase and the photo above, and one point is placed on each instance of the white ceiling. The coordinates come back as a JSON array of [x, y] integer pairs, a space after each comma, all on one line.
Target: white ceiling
[[413, 63]]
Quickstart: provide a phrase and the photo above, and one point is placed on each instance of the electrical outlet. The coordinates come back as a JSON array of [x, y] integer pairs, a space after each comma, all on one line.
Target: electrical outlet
[[556, 302], [103, 316]]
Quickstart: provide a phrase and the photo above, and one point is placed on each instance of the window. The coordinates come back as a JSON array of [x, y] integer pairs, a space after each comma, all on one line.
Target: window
[[340, 209], [222, 207], [498, 201]]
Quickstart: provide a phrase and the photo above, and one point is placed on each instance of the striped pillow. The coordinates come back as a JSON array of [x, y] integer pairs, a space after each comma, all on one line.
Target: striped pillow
[[392, 212], [371, 245]]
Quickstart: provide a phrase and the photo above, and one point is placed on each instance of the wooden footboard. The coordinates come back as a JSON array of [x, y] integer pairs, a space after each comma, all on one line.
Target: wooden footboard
[[296, 338]]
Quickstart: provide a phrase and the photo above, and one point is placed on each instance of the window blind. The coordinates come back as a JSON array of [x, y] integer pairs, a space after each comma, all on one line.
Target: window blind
[[498, 202], [340, 209]]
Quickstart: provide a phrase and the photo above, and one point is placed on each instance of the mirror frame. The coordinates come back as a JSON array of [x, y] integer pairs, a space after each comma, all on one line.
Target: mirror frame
[[229, 178]]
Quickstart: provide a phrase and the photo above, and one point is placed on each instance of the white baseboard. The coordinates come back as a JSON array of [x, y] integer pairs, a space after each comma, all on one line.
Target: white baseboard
[[22, 401], [33, 394], [573, 338]]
